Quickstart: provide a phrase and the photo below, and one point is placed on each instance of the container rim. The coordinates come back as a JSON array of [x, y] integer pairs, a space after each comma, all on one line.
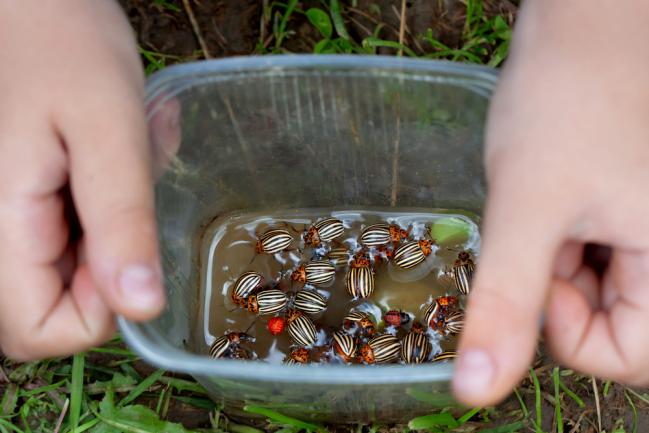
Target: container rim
[[146, 341]]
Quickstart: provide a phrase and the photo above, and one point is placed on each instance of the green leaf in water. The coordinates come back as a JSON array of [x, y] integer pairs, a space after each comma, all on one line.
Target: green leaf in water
[[451, 230]]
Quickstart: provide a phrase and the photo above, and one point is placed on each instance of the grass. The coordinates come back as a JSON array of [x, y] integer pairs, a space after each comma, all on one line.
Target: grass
[[108, 389]]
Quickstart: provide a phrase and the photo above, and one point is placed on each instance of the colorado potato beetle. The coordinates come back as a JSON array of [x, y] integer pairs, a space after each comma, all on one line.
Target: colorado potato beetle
[[410, 254], [454, 323], [446, 355], [396, 318], [344, 345], [462, 272], [338, 256], [247, 283], [267, 302], [301, 328], [439, 309], [381, 349], [297, 357], [381, 234], [227, 343], [415, 347], [358, 320], [273, 241], [309, 302], [316, 273], [325, 230], [359, 279]]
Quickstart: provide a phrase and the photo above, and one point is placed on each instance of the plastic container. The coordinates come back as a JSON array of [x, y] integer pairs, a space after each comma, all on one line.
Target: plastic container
[[264, 133]]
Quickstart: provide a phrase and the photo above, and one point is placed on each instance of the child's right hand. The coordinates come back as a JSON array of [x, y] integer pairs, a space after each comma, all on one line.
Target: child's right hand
[[72, 115], [568, 163]]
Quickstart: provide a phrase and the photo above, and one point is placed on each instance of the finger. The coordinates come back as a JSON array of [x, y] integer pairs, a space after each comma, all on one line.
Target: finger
[[508, 294], [603, 342], [69, 322], [568, 259], [112, 189], [38, 317]]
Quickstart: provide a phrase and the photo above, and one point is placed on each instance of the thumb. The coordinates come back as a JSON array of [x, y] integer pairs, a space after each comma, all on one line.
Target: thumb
[[111, 183], [508, 294]]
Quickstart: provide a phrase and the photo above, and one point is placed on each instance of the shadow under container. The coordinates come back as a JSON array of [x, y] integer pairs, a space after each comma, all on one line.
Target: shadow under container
[[269, 133]]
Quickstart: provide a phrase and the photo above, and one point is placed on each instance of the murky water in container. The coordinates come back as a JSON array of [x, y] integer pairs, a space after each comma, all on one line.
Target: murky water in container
[[228, 250]]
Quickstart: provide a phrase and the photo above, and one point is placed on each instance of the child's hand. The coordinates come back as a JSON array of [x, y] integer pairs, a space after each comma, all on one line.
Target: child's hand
[[568, 162], [71, 114]]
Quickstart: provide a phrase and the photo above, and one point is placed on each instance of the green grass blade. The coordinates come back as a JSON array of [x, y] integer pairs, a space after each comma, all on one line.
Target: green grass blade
[[281, 29], [337, 18], [201, 403], [42, 389], [9, 426], [9, 399], [526, 413], [572, 395], [428, 422], [644, 398], [557, 400], [283, 419], [607, 386], [374, 42], [467, 416], [76, 389], [88, 425], [635, 412], [141, 387], [537, 400], [182, 385]]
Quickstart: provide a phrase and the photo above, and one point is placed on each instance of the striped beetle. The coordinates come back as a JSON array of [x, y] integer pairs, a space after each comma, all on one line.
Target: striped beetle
[[297, 357], [359, 279], [454, 323], [381, 234], [325, 230], [247, 283], [344, 345], [338, 256], [273, 241], [446, 355], [462, 272], [317, 272], [300, 328], [228, 344], [439, 309], [415, 347], [410, 254], [381, 349], [267, 302], [309, 302], [358, 320]]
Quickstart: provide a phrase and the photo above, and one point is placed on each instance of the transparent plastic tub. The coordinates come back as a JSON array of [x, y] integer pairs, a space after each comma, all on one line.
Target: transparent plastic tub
[[265, 133]]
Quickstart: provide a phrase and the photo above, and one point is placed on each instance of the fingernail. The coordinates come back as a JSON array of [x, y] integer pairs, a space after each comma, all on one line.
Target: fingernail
[[141, 284], [474, 372]]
